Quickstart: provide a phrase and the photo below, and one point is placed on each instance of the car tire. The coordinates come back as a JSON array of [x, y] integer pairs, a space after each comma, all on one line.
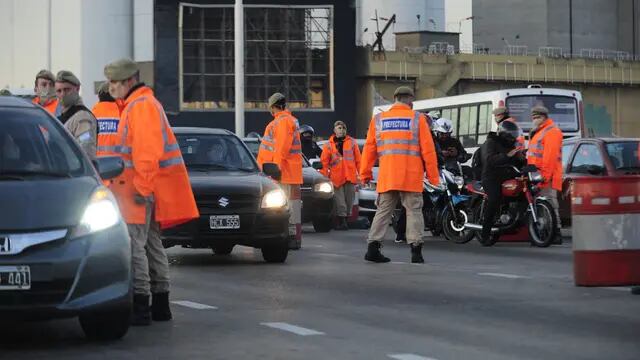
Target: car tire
[[276, 253], [106, 325], [322, 225], [223, 249]]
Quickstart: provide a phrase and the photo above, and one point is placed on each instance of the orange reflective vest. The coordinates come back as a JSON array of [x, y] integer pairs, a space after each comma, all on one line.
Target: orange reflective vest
[[281, 145], [153, 164], [53, 106], [545, 152], [341, 168], [401, 139], [108, 115]]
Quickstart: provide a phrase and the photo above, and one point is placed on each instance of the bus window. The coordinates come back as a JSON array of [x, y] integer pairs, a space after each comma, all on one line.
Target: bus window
[[463, 130], [562, 109], [467, 133], [454, 119], [446, 113]]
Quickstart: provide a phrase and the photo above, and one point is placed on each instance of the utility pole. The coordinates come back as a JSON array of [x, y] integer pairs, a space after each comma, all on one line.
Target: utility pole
[[571, 28], [239, 66]]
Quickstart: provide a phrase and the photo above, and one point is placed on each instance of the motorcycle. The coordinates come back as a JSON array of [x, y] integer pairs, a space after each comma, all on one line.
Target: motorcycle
[[520, 207], [445, 207]]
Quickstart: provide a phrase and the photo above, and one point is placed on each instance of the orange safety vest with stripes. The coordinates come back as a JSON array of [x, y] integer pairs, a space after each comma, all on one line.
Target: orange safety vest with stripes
[[401, 139], [53, 106], [281, 145], [108, 115], [545, 152], [154, 167], [341, 168]]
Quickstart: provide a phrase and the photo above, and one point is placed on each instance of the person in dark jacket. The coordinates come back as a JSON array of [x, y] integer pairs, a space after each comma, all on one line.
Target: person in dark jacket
[[497, 153], [451, 148], [309, 147]]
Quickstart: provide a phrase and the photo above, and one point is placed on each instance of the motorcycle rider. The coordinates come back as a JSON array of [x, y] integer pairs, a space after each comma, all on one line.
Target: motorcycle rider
[[309, 147], [497, 153], [451, 149]]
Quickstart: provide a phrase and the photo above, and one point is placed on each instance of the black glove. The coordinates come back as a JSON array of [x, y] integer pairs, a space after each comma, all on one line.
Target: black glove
[[139, 199]]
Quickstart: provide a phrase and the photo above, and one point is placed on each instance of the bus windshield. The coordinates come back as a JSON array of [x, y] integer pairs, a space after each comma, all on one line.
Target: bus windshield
[[562, 109]]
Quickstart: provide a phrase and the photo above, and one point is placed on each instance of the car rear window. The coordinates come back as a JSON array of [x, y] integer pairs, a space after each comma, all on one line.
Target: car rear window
[[32, 142], [624, 155]]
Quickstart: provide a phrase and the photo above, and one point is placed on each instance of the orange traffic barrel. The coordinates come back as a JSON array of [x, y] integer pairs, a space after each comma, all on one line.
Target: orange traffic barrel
[[606, 231]]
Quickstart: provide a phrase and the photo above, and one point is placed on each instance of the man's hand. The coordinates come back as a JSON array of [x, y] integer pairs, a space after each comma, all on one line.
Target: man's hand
[[139, 199], [453, 152], [513, 152]]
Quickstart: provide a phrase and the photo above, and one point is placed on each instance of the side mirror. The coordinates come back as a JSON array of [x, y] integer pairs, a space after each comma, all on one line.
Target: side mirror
[[109, 166], [595, 170], [272, 170], [317, 165]]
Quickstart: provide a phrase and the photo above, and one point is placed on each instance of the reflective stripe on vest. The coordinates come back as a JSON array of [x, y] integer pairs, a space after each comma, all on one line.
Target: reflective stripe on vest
[[414, 127], [269, 138], [538, 144], [123, 149]]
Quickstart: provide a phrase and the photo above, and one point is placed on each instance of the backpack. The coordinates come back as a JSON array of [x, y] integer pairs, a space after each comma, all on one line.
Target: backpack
[[476, 164]]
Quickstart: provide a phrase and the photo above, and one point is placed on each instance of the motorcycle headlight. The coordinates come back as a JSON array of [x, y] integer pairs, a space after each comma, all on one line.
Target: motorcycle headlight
[[101, 213], [535, 177], [323, 187], [459, 181], [274, 199]]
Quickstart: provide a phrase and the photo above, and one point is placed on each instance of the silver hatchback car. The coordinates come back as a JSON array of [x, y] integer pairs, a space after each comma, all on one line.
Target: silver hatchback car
[[64, 248]]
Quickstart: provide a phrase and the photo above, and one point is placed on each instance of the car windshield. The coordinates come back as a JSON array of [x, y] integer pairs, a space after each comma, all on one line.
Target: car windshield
[[624, 155], [254, 147], [215, 152], [562, 109], [32, 144]]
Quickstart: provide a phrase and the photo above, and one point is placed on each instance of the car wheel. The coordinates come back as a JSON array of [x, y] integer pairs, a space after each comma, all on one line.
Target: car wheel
[[322, 225], [223, 249], [276, 253], [107, 325]]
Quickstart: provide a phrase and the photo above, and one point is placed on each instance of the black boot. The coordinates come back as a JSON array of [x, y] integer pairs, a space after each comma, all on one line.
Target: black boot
[[141, 311], [401, 237], [373, 253], [342, 223], [557, 240], [416, 254], [160, 310]]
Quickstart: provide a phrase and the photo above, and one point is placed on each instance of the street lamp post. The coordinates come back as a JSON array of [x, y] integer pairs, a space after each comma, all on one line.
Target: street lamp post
[[239, 67]]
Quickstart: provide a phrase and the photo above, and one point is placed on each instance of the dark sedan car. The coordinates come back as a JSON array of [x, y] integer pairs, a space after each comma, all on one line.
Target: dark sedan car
[[239, 205], [64, 248], [595, 158], [317, 193]]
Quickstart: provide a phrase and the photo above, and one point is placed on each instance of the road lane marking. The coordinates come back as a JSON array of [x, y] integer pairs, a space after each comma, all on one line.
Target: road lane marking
[[194, 305], [399, 263], [409, 357], [620, 288], [331, 254], [292, 328], [506, 276]]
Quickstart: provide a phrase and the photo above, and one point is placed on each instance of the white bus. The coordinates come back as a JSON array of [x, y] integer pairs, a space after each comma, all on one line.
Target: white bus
[[472, 118]]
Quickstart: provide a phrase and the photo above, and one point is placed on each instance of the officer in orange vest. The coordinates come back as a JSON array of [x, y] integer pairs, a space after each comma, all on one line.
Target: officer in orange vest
[[281, 145], [153, 192], [501, 114], [46, 92], [401, 139], [340, 163], [107, 112], [545, 152]]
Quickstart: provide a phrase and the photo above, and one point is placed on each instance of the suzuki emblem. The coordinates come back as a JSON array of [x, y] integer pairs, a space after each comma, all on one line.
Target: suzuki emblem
[[5, 245], [223, 201]]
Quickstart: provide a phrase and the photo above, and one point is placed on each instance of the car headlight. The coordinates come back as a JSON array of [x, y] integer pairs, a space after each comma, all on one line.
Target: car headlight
[[101, 213], [274, 199], [323, 187]]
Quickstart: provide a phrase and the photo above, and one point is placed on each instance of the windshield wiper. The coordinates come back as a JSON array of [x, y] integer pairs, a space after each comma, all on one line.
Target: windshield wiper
[[218, 167], [22, 174]]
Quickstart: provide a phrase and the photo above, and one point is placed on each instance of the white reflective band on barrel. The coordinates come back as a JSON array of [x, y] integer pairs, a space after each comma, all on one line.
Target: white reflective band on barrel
[[606, 232], [601, 201], [626, 199], [577, 200]]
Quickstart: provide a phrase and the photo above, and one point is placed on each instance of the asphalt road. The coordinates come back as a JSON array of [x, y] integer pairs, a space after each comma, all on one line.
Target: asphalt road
[[468, 302]]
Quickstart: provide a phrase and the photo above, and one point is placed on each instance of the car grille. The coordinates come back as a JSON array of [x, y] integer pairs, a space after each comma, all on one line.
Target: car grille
[[215, 203], [40, 294]]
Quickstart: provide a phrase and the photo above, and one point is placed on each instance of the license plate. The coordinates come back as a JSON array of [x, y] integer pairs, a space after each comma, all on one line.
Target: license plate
[[15, 278], [221, 222]]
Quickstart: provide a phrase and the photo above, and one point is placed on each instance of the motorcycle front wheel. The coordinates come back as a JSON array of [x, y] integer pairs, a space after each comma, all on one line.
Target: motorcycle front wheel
[[453, 225], [543, 231]]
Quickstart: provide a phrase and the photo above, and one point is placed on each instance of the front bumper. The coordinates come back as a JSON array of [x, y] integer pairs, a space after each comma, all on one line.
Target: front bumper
[[367, 202], [72, 276], [316, 206], [256, 230]]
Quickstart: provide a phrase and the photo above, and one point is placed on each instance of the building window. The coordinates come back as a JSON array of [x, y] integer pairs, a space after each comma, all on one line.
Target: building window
[[288, 49]]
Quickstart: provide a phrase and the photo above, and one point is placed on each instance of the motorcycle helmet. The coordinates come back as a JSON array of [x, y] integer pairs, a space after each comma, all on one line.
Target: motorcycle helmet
[[509, 131], [306, 128], [443, 125]]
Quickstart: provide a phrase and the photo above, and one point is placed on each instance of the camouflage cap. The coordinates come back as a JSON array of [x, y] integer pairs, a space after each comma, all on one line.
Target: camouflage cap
[[276, 98], [539, 110], [121, 69], [45, 74], [403, 91], [68, 77], [500, 110]]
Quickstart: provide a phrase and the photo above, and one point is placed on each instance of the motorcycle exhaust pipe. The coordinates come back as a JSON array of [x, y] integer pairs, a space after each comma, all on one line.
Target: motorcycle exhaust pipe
[[478, 227]]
